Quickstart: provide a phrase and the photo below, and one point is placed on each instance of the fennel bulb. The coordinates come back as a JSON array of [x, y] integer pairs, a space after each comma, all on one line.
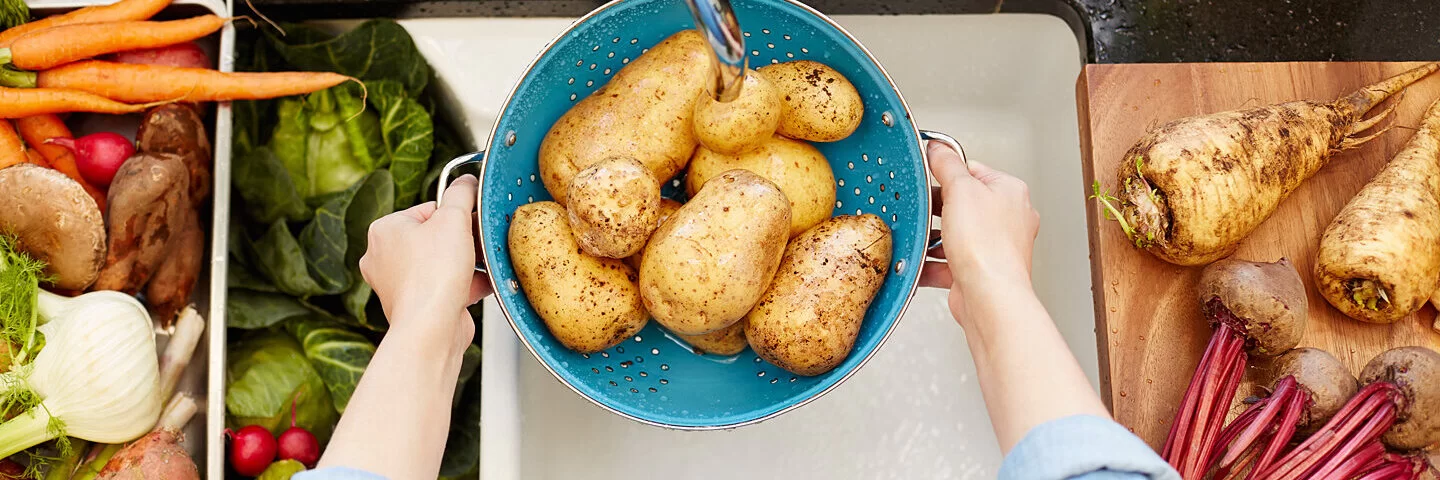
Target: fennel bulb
[[97, 377]]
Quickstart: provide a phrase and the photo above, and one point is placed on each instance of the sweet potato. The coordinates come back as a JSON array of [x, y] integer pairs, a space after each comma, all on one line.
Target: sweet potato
[[1379, 260], [169, 289], [1190, 190], [148, 200], [178, 129]]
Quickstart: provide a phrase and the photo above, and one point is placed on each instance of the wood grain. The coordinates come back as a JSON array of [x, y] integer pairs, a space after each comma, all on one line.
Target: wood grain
[[1150, 331]]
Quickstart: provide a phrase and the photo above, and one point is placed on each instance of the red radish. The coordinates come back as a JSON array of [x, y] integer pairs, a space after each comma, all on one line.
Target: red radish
[[98, 155], [1255, 308], [299, 444], [186, 54], [252, 448]]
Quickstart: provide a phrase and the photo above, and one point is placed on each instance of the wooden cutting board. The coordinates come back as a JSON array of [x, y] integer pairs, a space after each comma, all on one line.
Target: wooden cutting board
[[1149, 328]]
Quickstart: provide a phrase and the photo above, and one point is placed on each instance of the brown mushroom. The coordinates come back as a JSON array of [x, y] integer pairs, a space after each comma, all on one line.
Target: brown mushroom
[[55, 221]]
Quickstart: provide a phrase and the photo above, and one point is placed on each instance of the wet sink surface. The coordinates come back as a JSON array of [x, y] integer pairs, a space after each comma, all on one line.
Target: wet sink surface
[[1003, 85]]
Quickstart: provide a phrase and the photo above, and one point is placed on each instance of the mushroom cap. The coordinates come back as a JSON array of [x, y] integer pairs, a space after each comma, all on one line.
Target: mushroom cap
[[54, 220]]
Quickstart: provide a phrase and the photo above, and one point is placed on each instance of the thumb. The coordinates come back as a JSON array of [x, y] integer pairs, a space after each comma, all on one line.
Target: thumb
[[946, 164], [460, 197]]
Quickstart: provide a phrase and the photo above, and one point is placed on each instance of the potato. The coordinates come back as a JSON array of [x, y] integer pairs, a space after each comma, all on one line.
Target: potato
[[614, 205], [148, 202], [740, 124], [800, 171], [726, 341], [645, 112], [807, 321], [589, 303], [667, 208], [709, 263], [178, 129], [819, 104]]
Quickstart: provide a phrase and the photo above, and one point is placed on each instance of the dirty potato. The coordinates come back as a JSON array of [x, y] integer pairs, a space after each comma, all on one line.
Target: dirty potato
[[589, 303], [613, 207], [645, 112], [818, 103], [801, 172], [709, 263], [806, 323], [742, 123]]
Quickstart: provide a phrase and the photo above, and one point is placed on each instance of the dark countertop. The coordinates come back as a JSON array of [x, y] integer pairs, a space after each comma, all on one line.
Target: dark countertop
[[1116, 31]]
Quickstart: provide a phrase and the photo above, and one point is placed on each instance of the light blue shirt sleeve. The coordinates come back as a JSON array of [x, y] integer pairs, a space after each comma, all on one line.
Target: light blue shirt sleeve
[[336, 473], [1084, 447]]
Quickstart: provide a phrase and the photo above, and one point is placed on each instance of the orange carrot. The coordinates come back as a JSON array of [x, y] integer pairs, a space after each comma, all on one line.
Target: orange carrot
[[60, 45], [123, 10], [12, 150], [155, 83], [39, 128], [25, 102], [36, 158]]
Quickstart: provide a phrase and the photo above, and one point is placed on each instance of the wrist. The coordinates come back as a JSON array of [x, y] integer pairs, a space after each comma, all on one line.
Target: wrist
[[428, 334]]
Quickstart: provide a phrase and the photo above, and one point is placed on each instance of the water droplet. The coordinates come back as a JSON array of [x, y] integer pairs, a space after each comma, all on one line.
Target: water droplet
[[1124, 394]]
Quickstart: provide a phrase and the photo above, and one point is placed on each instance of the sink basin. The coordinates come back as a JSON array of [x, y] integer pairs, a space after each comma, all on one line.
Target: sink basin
[[1004, 86]]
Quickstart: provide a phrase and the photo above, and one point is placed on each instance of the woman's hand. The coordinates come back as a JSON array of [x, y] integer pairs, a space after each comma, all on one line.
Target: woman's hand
[[420, 262], [988, 231]]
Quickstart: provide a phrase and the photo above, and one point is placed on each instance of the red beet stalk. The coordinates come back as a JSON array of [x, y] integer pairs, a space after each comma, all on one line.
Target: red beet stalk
[[1198, 423], [1360, 423], [1270, 422]]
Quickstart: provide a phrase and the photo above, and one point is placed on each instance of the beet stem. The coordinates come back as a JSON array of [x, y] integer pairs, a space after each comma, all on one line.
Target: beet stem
[[1365, 459], [1307, 457], [1371, 431], [1216, 420], [1180, 428], [1201, 417], [1251, 426], [1298, 401]]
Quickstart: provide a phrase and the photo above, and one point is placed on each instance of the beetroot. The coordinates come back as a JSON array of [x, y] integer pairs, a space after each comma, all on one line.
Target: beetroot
[[186, 54], [252, 448], [1258, 308], [158, 454], [98, 155], [1396, 408], [1310, 386]]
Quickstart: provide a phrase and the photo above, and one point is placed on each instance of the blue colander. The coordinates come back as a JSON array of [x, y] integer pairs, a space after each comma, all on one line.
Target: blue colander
[[654, 377]]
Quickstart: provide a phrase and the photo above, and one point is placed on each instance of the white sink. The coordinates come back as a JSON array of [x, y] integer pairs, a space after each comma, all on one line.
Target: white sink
[[1004, 85]]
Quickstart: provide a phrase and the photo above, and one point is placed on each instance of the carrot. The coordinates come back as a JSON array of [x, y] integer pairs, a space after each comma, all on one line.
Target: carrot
[[1380, 256], [60, 45], [155, 83], [1193, 188], [12, 150], [26, 102], [36, 158], [39, 128], [123, 10]]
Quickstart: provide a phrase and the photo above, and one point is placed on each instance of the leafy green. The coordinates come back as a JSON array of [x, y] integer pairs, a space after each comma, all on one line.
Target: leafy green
[[280, 258], [327, 141], [13, 13], [268, 374], [378, 49], [409, 138], [462, 447], [338, 355], [266, 187], [20, 278], [325, 242], [249, 309]]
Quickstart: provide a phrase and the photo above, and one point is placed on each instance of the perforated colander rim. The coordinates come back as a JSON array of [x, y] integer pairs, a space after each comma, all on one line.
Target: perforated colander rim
[[515, 327]]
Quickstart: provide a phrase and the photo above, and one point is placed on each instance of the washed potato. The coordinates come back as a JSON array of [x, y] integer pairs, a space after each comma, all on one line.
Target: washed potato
[[589, 303], [807, 321], [800, 171], [667, 208], [726, 341], [613, 207], [709, 263], [818, 103], [742, 123], [645, 112]]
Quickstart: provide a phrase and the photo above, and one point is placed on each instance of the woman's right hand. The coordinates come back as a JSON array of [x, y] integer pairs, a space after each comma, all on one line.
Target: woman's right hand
[[988, 228]]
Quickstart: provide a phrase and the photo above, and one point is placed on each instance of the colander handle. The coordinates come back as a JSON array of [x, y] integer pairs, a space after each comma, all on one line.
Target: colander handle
[[935, 241], [716, 20], [445, 182]]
